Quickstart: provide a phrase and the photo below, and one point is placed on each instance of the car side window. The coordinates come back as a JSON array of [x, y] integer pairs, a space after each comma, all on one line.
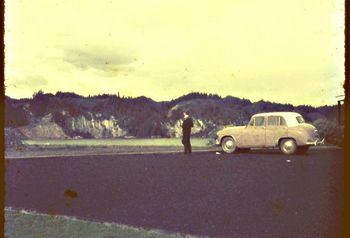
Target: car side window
[[259, 121], [276, 121], [282, 121], [273, 121]]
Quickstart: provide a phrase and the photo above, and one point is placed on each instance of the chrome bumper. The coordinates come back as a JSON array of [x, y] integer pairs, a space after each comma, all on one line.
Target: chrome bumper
[[316, 142]]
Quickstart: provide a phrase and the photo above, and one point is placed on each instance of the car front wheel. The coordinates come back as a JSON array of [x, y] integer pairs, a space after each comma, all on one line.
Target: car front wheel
[[288, 146], [228, 145]]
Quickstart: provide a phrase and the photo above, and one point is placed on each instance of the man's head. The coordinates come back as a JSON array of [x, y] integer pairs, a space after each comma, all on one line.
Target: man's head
[[186, 114]]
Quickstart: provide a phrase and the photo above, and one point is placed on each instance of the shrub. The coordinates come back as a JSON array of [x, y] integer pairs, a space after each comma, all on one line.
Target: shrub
[[15, 117], [59, 119], [331, 131]]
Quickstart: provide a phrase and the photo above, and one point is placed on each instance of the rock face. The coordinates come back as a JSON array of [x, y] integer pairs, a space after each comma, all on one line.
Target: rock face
[[175, 130], [97, 127], [42, 130]]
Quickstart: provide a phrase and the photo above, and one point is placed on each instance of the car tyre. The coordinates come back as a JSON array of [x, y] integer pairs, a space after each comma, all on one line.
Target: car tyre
[[288, 146], [228, 145]]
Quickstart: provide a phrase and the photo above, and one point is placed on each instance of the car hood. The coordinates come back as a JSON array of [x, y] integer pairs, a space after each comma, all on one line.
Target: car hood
[[308, 127], [231, 129]]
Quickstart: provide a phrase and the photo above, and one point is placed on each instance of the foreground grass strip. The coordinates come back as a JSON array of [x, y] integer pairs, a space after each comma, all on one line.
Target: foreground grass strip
[[30, 224]]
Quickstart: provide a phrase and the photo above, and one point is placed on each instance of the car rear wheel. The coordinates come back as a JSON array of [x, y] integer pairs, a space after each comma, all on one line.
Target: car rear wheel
[[228, 145], [288, 146]]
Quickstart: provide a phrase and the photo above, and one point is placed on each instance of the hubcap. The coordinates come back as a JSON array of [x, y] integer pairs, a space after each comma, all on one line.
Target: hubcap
[[229, 144], [288, 146]]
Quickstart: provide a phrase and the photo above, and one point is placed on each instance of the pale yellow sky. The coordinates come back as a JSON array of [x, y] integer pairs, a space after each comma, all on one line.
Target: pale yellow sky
[[288, 51]]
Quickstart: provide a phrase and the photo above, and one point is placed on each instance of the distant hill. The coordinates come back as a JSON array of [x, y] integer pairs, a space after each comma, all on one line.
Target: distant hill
[[108, 116]]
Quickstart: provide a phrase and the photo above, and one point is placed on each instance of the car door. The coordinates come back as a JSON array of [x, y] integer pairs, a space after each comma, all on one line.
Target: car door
[[254, 134], [276, 128]]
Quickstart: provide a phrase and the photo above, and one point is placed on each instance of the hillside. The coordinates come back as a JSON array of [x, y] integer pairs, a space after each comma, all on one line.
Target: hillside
[[110, 116]]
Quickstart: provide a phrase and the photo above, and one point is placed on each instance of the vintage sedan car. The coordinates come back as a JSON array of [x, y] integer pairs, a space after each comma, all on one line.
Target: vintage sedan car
[[284, 130]]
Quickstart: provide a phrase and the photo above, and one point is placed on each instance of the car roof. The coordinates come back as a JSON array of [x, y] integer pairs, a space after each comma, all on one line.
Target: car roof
[[284, 114]]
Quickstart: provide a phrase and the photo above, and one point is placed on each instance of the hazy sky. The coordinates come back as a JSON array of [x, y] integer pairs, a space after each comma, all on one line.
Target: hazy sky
[[288, 51]]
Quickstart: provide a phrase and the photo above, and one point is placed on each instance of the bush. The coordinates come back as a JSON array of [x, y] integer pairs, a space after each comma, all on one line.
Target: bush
[[331, 131], [13, 138], [59, 119], [85, 135], [15, 117]]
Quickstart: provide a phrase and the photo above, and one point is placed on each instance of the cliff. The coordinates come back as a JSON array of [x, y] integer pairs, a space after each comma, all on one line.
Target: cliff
[[96, 127]]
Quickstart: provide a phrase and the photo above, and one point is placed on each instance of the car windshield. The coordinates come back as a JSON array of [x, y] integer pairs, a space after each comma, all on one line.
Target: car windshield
[[251, 122], [300, 119]]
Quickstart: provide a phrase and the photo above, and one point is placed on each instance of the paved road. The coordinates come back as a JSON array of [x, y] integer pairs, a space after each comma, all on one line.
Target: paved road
[[258, 194]]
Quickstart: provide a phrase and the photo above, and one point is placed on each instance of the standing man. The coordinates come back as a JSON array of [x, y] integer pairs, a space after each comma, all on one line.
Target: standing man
[[186, 132]]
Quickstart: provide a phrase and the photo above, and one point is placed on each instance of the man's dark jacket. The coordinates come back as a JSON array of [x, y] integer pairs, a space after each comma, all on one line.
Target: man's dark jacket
[[186, 127]]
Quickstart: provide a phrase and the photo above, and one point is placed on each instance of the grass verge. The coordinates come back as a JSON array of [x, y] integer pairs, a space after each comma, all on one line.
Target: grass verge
[[26, 224]]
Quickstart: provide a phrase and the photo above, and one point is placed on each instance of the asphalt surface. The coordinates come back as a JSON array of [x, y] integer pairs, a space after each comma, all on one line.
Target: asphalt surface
[[257, 194]]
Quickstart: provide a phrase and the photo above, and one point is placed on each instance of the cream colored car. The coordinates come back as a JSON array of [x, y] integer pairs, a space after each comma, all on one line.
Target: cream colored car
[[284, 130]]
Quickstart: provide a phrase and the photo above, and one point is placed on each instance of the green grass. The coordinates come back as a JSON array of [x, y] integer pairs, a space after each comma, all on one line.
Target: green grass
[[196, 142], [32, 225]]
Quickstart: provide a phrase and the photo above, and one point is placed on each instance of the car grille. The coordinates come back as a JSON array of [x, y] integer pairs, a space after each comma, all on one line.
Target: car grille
[[316, 134]]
